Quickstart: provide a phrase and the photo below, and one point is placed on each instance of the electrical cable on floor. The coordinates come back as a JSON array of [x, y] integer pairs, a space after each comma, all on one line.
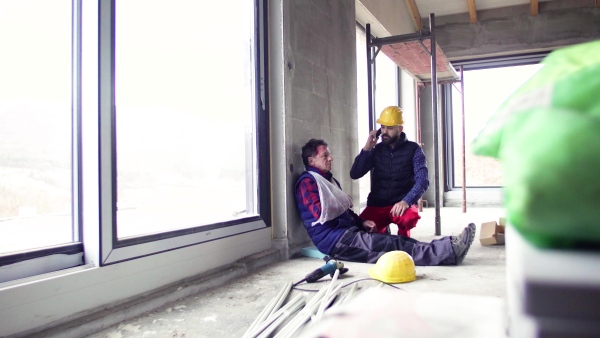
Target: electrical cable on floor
[[356, 281]]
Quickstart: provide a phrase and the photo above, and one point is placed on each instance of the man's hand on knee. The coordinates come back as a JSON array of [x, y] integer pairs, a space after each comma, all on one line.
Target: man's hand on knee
[[399, 208]]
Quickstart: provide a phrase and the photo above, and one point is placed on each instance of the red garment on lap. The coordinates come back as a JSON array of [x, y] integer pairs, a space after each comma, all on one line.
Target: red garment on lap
[[382, 218]]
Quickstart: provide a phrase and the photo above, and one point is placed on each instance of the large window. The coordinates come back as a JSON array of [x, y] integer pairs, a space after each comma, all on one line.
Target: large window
[[35, 125], [485, 90], [362, 108], [181, 130], [184, 115], [129, 128]]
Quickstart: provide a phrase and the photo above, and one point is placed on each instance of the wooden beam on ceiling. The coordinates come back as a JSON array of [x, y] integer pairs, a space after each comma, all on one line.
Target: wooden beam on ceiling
[[533, 7], [472, 11], [414, 12]]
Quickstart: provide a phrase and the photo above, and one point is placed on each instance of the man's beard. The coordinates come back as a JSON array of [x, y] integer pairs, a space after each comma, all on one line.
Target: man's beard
[[390, 139]]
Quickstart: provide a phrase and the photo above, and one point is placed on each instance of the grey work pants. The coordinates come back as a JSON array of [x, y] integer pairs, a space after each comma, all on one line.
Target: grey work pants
[[356, 245]]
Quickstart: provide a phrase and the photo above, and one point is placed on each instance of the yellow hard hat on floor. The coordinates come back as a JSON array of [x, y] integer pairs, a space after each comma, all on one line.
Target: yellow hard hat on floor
[[394, 267], [391, 117]]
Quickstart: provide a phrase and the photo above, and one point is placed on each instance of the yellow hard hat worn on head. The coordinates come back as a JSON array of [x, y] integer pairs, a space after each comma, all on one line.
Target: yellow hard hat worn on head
[[394, 267], [391, 116]]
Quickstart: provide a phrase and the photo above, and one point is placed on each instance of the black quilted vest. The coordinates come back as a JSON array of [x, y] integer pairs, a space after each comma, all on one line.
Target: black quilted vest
[[393, 173]]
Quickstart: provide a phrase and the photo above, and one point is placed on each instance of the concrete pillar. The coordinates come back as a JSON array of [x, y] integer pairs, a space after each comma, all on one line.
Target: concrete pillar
[[313, 70]]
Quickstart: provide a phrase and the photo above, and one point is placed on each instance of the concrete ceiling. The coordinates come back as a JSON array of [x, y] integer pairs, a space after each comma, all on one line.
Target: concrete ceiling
[[397, 17], [422, 8], [467, 29]]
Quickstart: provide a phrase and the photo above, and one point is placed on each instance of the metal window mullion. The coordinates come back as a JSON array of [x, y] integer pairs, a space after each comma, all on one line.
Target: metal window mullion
[[262, 128], [370, 93], [106, 118], [448, 155], [434, 108], [258, 103], [76, 126]]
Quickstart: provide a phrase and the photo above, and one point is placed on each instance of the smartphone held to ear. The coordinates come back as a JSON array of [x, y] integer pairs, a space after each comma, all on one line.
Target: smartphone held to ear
[[378, 133]]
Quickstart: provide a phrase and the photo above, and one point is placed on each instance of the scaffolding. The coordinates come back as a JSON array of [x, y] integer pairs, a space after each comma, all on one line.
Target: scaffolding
[[407, 52]]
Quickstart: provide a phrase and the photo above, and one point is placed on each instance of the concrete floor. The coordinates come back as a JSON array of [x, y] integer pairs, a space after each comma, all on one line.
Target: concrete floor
[[228, 310]]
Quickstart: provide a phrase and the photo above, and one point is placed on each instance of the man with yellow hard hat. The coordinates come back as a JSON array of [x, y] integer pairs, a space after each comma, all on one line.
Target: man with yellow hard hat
[[399, 178]]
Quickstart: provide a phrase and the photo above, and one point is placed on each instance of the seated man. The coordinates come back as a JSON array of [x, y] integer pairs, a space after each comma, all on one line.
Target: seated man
[[337, 231]]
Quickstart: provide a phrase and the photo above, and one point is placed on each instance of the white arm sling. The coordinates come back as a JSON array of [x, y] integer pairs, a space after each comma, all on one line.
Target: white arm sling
[[334, 201]]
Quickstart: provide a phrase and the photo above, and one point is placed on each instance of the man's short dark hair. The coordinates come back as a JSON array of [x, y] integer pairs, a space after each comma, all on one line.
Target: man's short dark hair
[[310, 149]]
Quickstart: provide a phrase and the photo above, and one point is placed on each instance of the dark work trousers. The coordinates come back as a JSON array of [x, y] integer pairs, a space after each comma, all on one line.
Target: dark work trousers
[[356, 245]]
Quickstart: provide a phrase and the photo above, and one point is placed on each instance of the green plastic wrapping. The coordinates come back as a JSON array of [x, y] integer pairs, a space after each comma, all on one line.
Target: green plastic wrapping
[[547, 138]]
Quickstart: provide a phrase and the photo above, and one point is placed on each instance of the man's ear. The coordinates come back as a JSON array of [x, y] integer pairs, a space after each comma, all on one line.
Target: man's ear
[[311, 161]]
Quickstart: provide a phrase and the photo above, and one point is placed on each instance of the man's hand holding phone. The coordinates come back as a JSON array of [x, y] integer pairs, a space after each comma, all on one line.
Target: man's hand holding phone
[[372, 140]]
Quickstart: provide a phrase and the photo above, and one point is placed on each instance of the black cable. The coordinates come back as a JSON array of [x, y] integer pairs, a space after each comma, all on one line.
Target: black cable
[[302, 280]]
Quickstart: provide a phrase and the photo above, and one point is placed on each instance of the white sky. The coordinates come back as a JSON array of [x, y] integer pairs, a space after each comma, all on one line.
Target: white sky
[[485, 90]]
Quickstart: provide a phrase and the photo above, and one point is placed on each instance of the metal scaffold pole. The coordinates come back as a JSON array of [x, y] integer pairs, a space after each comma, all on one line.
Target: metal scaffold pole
[[464, 161], [434, 109], [369, 76]]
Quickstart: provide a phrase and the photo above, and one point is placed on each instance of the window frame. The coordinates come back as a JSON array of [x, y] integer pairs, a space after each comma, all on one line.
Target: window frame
[[113, 249], [31, 262], [93, 157]]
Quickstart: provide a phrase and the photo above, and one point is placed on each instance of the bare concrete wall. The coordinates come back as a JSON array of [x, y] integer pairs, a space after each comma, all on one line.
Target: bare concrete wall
[[313, 65]]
